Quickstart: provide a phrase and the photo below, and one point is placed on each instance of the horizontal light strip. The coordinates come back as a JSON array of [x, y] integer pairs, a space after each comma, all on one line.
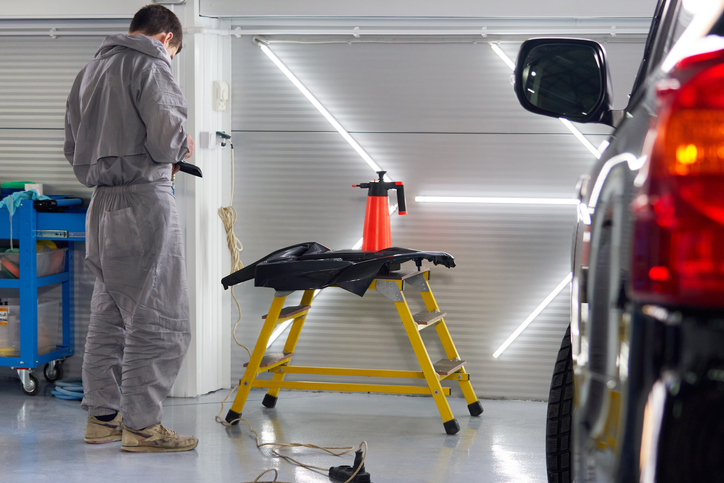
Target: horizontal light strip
[[496, 201], [323, 110], [533, 315]]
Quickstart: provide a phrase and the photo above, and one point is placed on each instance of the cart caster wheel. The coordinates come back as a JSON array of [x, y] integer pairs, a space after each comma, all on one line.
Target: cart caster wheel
[[53, 374], [33, 386], [452, 426]]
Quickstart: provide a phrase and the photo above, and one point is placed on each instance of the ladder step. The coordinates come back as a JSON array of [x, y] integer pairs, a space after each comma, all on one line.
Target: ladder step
[[428, 318], [445, 367], [273, 358], [290, 312]]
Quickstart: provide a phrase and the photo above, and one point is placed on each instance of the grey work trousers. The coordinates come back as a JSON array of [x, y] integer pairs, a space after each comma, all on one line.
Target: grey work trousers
[[139, 328]]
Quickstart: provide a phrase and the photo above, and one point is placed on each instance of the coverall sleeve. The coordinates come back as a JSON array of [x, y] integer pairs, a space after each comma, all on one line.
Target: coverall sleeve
[[163, 109], [69, 145]]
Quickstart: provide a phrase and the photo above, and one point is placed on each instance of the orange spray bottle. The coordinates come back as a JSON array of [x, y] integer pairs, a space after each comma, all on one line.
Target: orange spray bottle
[[376, 235]]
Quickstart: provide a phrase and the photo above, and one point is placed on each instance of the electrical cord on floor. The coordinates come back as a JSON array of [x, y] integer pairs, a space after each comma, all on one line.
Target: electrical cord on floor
[[71, 389], [275, 447], [228, 217]]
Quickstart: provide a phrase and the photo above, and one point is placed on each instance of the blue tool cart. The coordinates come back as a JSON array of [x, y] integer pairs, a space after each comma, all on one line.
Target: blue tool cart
[[38, 264]]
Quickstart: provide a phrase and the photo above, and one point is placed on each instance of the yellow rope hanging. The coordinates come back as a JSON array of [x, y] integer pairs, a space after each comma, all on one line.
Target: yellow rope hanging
[[228, 218]]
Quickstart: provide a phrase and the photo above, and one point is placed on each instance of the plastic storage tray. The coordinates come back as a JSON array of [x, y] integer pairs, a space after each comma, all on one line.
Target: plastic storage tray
[[48, 263], [50, 330]]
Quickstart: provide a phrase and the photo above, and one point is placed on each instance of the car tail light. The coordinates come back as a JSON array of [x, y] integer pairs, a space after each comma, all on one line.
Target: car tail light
[[678, 249]]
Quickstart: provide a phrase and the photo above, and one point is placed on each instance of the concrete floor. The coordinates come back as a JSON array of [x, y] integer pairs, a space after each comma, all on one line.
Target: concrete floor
[[41, 439]]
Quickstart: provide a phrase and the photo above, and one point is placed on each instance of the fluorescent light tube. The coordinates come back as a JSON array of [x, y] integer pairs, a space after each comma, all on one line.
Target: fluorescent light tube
[[579, 135], [323, 110], [533, 315], [496, 201], [502, 55]]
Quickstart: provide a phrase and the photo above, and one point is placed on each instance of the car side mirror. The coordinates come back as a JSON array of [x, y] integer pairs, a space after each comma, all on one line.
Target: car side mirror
[[564, 78]]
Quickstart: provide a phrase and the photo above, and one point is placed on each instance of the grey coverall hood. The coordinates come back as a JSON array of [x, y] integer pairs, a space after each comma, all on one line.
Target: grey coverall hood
[[125, 107], [124, 129], [146, 45]]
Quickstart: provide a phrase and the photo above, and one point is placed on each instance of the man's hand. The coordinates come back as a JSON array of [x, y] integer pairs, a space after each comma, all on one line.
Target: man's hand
[[175, 168], [191, 148]]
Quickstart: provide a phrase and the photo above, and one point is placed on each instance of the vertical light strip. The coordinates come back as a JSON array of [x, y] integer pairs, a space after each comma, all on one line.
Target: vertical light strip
[[533, 315], [579, 135], [323, 110]]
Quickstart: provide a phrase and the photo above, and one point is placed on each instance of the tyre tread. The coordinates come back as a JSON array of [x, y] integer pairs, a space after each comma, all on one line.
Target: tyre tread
[[558, 423]]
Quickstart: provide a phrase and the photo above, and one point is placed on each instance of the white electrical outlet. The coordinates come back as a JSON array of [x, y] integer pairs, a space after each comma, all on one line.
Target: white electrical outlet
[[207, 139], [221, 95]]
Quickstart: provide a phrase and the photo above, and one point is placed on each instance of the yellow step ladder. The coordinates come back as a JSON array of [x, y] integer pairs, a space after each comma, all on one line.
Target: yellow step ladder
[[391, 286]]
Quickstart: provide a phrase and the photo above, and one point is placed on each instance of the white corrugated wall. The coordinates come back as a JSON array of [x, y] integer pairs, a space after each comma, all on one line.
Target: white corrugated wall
[[442, 118]]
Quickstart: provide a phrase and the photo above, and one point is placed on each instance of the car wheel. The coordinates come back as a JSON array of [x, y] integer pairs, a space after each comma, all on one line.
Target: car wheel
[[559, 420]]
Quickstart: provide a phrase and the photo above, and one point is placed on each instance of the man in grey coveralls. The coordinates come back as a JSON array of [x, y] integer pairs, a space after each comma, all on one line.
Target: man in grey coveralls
[[124, 135]]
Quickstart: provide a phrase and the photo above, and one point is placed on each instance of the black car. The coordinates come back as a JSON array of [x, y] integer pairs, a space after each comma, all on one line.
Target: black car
[[638, 389]]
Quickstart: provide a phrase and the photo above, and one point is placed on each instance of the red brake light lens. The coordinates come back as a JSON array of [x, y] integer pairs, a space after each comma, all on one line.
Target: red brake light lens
[[678, 250]]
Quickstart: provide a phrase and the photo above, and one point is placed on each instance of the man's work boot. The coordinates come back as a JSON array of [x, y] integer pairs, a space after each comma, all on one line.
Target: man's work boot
[[156, 439], [97, 431]]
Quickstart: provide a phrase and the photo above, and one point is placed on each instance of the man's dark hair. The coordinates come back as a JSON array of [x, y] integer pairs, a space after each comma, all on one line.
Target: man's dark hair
[[156, 19]]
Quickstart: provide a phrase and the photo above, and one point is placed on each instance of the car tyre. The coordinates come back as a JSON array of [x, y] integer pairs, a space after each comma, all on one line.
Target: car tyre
[[558, 424]]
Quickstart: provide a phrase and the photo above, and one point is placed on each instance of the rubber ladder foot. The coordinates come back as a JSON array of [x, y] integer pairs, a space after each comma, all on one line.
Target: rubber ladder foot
[[452, 426], [269, 401], [232, 417], [476, 409]]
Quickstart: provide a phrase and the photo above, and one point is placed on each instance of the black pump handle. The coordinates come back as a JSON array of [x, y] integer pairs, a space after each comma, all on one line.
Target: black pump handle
[[401, 205]]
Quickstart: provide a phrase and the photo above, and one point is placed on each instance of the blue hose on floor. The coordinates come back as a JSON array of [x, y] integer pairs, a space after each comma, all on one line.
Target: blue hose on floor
[[71, 389]]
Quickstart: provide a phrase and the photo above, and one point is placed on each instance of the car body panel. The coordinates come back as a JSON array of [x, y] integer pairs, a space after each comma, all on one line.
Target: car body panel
[[629, 356]]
